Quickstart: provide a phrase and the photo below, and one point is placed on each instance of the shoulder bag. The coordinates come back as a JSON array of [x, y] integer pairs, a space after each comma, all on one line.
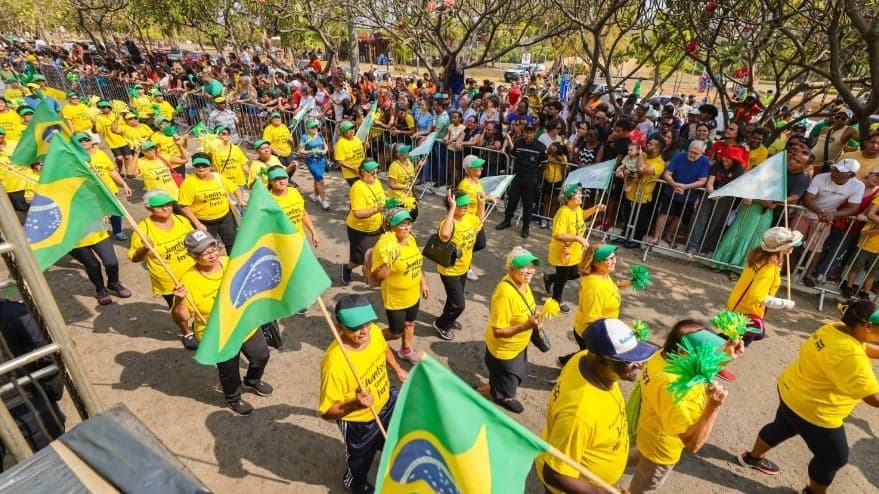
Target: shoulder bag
[[538, 335], [445, 254]]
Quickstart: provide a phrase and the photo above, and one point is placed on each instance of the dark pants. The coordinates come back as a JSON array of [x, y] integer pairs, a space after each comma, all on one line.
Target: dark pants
[[47, 412], [104, 250], [561, 276], [169, 299], [257, 352], [17, 200], [527, 191], [224, 229], [362, 441], [454, 305], [504, 376], [829, 446], [116, 224]]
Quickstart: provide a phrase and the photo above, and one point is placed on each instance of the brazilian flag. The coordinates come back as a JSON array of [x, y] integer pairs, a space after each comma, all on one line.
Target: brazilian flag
[[34, 142], [445, 437], [272, 273], [69, 203]]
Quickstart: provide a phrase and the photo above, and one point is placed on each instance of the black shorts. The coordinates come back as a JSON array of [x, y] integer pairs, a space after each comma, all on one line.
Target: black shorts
[[681, 210], [122, 151], [551, 188], [352, 180], [359, 242], [286, 160], [397, 318]]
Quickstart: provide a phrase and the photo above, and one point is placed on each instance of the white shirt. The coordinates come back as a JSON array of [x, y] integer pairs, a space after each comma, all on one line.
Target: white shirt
[[829, 196]]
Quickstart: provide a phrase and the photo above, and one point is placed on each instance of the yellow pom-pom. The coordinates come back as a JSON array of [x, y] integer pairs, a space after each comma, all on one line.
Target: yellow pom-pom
[[550, 309], [408, 203], [388, 248], [119, 107], [210, 143]]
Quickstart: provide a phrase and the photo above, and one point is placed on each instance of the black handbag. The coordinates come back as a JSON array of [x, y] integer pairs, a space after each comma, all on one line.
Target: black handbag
[[539, 337], [272, 332], [443, 253]]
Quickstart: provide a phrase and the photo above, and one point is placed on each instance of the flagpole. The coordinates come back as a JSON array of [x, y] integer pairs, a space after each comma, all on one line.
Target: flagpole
[[591, 477], [329, 319], [787, 256], [595, 216], [421, 163]]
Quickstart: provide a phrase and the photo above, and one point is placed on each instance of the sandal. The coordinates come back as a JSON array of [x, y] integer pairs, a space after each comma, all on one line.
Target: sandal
[[732, 276], [650, 241]]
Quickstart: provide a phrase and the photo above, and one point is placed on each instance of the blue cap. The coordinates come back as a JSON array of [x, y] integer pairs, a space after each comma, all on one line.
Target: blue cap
[[615, 339]]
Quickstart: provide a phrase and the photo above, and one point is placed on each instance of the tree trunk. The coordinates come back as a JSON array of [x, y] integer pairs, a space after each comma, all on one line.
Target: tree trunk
[[354, 49]]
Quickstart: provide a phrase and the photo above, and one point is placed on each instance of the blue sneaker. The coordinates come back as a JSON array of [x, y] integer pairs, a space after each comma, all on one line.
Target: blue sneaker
[[346, 275]]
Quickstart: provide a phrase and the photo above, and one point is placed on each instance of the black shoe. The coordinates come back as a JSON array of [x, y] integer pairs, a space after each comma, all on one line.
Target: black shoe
[[346, 275], [364, 488], [809, 281], [524, 233], [619, 241], [240, 407], [510, 404], [445, 334], [456, 326], [761, 464], [631, 244], [563, 359], [547, 283], [189, 342], [261, 388], [503, 225]]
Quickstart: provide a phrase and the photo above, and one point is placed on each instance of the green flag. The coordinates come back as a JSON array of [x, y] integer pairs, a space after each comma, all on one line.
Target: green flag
[[69, 203], [366, 124], [445, 437], [34, 142], [597, 176], [272, 273], [767, 181]]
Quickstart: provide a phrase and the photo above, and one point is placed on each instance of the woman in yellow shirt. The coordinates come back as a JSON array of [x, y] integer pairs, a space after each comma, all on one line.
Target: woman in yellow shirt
[[204, 200], [264, 160], [567, 243], [292, 203], [396, 262], [401, 176], [229, 159], [472, 186], [135, 134], [280, 138], [165, 231], [818, 391], [512, 318], [349, 152], [92, 251], [105, 169], [119, 147], [553, 174], [155, 170], [666, 427], [171, 145], [201, 283], [364, 221], [459, 226]]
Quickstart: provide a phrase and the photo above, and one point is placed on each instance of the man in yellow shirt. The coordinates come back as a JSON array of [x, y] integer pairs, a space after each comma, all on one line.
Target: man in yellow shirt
[[586, 419], [758, 152], [868, 156], [341, 399], [349, 152], [141, 104], [166, 111], [76, 114]]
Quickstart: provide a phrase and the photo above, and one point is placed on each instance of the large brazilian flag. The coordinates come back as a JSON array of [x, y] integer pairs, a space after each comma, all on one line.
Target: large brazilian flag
[[69, 203], [272, 273], [34, 143], [445, 437]]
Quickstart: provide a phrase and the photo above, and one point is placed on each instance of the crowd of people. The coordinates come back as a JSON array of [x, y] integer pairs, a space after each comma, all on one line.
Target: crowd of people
[[663, 152]]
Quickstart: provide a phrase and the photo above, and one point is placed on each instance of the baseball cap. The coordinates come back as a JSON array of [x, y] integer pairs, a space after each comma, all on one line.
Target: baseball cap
[[104, 104], [779, 238], [275, 114], [25, 110], [80, 136], [524, 259], [399, 217], [197, 241], [570, 189], [603, 252], [161, 120], [614, 338], [129, 116], [848, 165], [346, 126], [704, 337], [461, 198], [369, 165], [354, 311], [277, 172], [848, 113], [312, 124], [157, 198], [259, 142], [200, 161], [220, 128], [71, 95], [402, 149], [138, 86], [219, 99], [471, 161], [147, 145]]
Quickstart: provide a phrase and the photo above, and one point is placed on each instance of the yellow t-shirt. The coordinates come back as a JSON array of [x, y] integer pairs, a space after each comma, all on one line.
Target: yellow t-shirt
[[869, 239], [157, 175], [662, 421], [166, 144], [14, 176], [202, 289], [363, 196], [337, 384], [554, 171], [169, 244], [402, 287], [763, 281], [403, 174], [93, 238], [351, 152], [587, 424], [104, 126], [103, 165], [293, 206], [464, 236], [571, 221], [472, 189], [166, 111], [209, 198], [143, 105], [643, 193], [135, 136], [867, 164], [13, 95], [599, 299], [830, 376], [256, 168], [230, 161], [79, 115], [508, 309], [10, 121], [757, 156], [279, 137], [30, 186]]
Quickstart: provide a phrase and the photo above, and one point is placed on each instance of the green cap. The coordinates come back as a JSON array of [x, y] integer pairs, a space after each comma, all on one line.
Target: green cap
[[570, 190], [81, 136], [346, 126], [157, 198], [220, 128], [603, 252], [147, 145], [277, 172], [403, 148], [369, 166], [138, 86], [275, 114], [259, 142], [104, 104], [160, 120], [25, 110], [2, 131], [39, 78], [312, 124], [157, 93], [471, 161], [704, 337], [399, 217], [524, 259], [71, 94], [463, 200], [874, 318], [354, 311], [201, 161]]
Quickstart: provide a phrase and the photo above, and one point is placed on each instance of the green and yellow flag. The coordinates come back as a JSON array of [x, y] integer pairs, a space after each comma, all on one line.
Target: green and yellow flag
[[445, 437], [69, 203], [34, 143], [272, 273]]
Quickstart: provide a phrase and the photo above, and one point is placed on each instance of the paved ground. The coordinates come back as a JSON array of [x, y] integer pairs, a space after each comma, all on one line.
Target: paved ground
[[133, 355]]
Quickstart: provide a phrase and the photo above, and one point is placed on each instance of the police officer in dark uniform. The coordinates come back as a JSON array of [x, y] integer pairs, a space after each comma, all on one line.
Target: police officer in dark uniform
[[528, 157]]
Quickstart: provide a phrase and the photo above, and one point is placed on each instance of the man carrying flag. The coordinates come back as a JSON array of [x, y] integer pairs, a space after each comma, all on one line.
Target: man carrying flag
[[340, 397]]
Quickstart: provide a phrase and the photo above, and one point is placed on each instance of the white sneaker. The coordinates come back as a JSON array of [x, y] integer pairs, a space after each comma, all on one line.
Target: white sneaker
[[314, 198], [411, 357], [544, 224], [471, 275], [325, 204]]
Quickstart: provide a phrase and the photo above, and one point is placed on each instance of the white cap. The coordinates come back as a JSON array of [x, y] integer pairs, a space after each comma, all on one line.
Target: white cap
[[847, 112], [779, 238], [848, 165]]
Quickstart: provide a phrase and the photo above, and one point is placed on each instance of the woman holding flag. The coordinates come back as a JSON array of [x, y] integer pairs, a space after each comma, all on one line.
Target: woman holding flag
[[291, 202], [197, 292], [204, 200], [105, 169], [92, 251], [313, 147]]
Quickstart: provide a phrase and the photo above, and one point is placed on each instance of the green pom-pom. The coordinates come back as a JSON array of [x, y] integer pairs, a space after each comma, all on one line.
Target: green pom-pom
[[178, 109], [642, 332], [391, 203], [733, 325], [693, 366], [640, 277]]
